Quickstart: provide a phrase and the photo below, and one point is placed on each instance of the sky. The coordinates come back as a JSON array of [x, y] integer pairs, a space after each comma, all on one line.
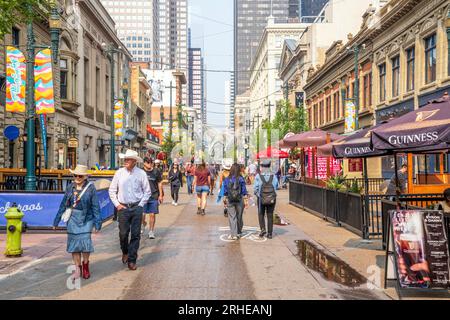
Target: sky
[[211, 24]]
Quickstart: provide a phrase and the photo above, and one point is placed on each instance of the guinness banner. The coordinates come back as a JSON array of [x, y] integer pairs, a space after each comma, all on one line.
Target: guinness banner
[[357, 145], [425, 129]]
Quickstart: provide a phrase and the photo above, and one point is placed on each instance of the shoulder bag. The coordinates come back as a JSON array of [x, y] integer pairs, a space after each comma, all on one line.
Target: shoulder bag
[[66, 215]]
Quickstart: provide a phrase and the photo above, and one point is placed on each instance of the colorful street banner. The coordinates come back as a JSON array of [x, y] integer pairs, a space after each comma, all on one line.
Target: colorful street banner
[[41, 210], [118, 118], [350, 119], [43, 82], [421, 249], [15, 80], [43, 121]]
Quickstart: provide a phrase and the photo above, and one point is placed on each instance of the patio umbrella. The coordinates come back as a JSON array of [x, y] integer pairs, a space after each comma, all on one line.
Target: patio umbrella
[[312, 138], [425, 129], [272, 152], [356, 145]]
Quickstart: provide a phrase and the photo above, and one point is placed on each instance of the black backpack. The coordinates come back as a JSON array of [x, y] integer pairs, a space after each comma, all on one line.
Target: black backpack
[[268, 194], [234, 190]]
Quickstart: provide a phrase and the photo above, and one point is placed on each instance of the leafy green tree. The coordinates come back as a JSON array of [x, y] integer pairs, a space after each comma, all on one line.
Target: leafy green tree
[[289, 119], [17, 11]]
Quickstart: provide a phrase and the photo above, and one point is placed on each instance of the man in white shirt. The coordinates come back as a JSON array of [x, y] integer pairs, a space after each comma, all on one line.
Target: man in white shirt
[[129, 192]]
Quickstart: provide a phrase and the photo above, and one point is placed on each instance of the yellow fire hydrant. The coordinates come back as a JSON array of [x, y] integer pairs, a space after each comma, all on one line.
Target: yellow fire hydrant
[[14, 229]]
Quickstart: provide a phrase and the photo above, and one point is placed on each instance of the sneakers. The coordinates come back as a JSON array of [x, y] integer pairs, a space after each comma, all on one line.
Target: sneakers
[[142, 230], [151, 235], [175, 204], [230, 237], [203, 212]]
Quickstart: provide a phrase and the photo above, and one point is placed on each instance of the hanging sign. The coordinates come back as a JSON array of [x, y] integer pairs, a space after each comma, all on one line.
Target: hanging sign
[[350, 114], [420, 249], [43, 82], [15, 80], [118, 118]]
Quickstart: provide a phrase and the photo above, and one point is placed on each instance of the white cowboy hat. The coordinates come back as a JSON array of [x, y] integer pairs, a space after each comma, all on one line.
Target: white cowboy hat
[[80, 170], [157, 161], [130, 154], [226, 164]]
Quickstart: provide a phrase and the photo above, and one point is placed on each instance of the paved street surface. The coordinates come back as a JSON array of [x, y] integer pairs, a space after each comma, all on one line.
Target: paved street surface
[[192, 259]]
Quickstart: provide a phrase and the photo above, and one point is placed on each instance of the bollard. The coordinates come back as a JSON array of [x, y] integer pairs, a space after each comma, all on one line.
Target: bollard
[[14, 229]]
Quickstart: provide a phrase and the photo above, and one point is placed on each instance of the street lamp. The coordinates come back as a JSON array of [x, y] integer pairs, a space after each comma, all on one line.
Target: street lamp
[[55, 29], [125, 99], [110, 50]]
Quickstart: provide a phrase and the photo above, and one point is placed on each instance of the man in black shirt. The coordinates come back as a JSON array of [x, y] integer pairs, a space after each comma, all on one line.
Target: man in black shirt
[[154, 176]]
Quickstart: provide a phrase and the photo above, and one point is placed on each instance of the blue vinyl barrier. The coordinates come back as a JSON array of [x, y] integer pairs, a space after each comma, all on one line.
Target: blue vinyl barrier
[[40, 208]]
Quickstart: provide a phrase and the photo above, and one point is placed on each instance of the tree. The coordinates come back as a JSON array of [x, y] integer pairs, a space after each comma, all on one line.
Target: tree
[[17, 11], [289, 119]]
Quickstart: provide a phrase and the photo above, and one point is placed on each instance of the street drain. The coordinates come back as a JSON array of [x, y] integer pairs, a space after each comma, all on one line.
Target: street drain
[[331, 268]]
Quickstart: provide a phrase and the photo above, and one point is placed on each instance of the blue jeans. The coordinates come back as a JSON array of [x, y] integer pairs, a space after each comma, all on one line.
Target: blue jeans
[[202, 189], [190, 180]]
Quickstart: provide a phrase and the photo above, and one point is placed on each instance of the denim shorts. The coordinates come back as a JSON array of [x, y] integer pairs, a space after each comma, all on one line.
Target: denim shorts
[[152, 206], [202, 189]]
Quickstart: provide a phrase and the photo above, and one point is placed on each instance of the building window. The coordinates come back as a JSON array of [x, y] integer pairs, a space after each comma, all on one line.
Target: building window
[[367, 95], [395, 76], [15, 33], [316, 116], [321, 112], [382, 70], [63, 80], [336, 105], [448, 50], [410, 62], [430, 59], [328, 108]]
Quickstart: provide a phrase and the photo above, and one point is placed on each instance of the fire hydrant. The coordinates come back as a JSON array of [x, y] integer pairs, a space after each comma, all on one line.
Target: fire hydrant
[[14, 229]]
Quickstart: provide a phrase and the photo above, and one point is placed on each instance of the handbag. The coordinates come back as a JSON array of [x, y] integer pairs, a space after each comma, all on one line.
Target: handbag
[[66, 215]]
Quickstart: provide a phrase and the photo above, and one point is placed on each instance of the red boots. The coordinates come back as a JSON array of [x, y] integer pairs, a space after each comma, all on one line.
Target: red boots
[[86, 273]]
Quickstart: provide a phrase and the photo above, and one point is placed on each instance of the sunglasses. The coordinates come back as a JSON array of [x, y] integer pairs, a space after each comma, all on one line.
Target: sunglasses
[[78, 176]]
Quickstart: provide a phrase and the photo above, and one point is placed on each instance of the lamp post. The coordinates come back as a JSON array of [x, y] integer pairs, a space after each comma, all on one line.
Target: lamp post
[[55, 29], [125, 99], [110, 50]]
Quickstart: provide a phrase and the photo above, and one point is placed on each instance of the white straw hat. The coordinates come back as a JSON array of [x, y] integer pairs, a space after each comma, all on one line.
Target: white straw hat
[[130, 154], [80, 170]]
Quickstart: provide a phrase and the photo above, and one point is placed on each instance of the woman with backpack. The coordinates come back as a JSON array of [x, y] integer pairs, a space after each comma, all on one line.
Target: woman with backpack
[[236, 197], [265, 188]]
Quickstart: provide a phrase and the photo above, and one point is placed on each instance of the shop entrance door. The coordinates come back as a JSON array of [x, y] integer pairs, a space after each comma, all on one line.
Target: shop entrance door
[[71, 160]]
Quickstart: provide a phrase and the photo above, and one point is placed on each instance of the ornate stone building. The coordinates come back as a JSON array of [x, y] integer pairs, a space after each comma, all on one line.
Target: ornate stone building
[[79, 130], [402, 54]]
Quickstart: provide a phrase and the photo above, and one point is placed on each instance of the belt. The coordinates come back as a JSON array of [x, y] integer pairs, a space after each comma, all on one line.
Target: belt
[[130, 205]]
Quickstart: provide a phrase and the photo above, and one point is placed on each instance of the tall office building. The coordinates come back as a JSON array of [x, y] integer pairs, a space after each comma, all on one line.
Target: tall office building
[[196, 82], [173, 33], [250, 19], [137, 27], [309, 9]]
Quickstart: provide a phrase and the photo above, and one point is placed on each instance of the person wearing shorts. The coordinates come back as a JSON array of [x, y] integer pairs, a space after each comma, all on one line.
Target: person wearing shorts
[[151, 209], [202, 181]]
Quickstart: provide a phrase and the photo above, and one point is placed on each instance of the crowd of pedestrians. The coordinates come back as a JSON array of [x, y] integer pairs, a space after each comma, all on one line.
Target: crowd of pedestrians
[[137, 194]]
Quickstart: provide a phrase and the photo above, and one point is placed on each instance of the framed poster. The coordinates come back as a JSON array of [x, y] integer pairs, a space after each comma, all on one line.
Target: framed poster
[[420, 249]]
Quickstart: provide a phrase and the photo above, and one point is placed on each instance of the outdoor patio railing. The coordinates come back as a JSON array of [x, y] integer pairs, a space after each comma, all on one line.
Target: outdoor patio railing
[[362, 214]]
